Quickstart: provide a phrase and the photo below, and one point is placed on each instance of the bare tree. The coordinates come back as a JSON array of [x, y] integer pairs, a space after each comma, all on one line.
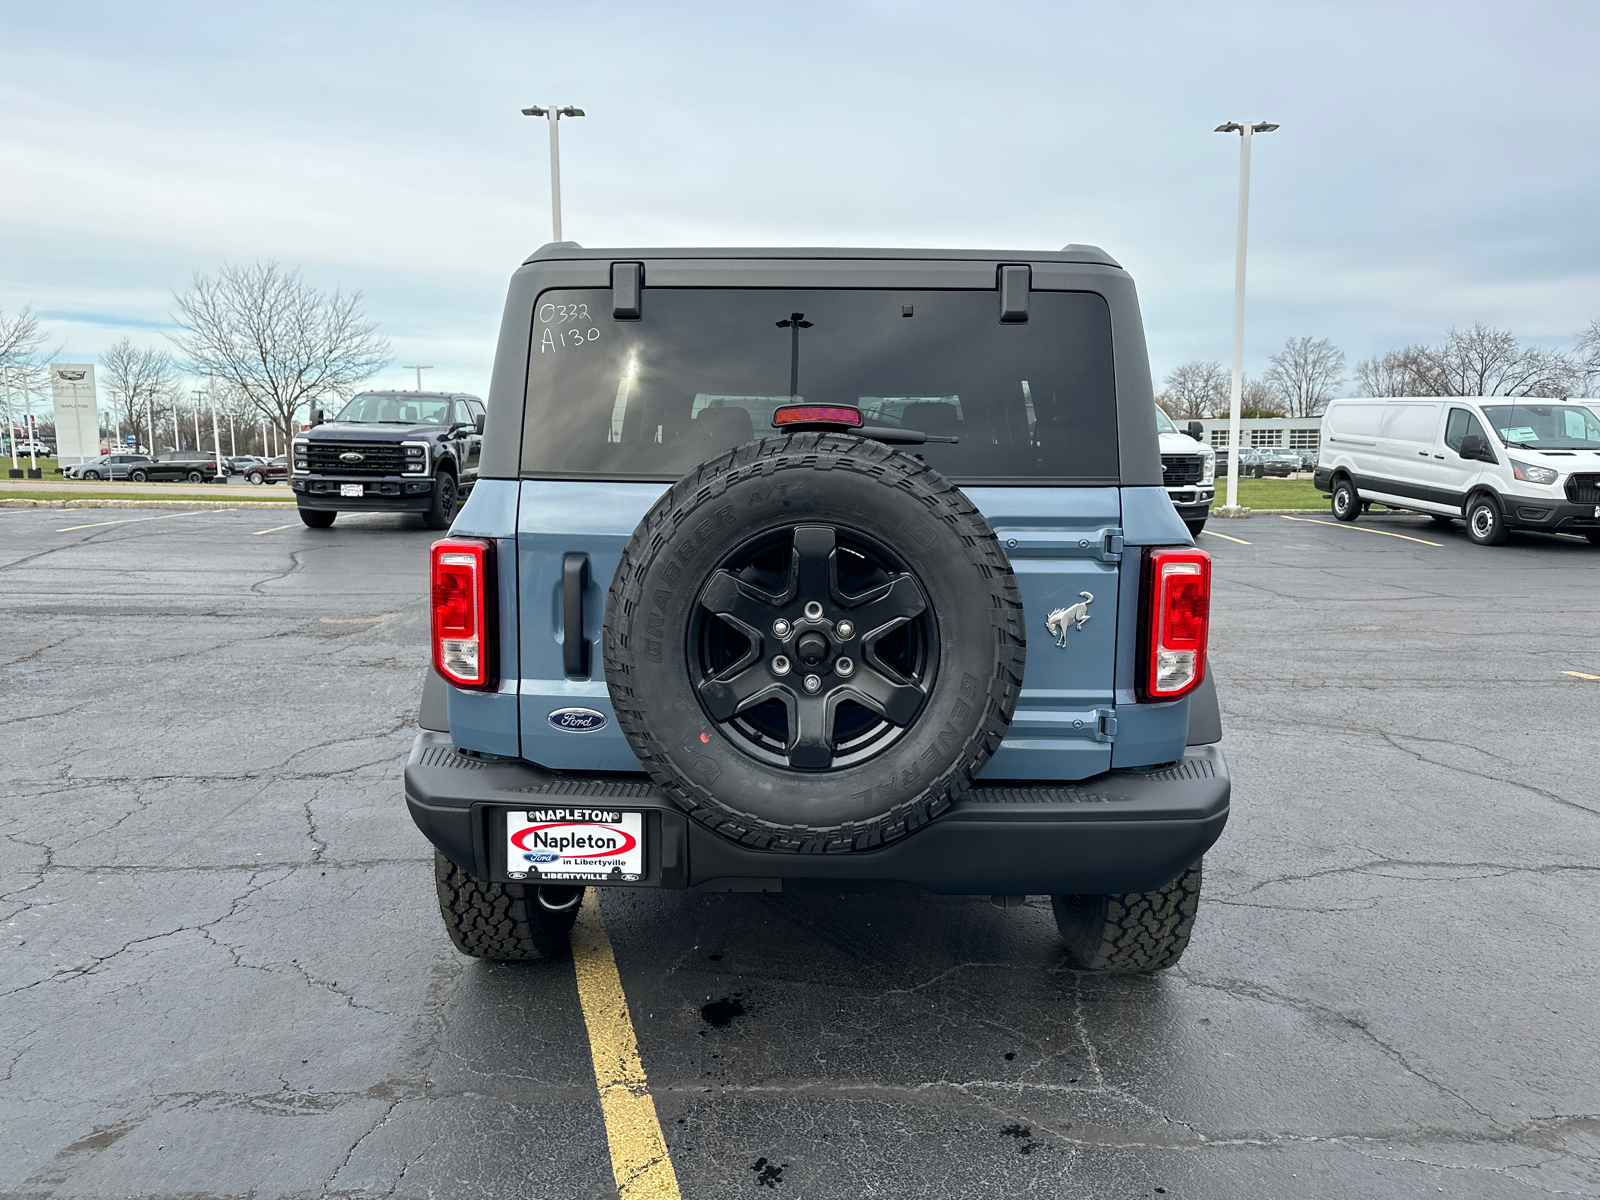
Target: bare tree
[[1197, 389], [1392, 373], [22, 362], [139, 380], [1586, 362], [1256, 399], [1482, 361], [278, 340], [1305, 375]]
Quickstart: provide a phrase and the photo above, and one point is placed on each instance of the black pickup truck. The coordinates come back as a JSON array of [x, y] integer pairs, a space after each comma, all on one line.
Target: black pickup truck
[[389, 452]]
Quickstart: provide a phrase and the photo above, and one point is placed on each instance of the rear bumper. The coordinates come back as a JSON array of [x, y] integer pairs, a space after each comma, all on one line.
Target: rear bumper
[[383, 493], [1123, 831]]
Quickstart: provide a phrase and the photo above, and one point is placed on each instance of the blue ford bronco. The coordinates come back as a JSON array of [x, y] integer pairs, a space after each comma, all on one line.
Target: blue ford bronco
[[828, 565]]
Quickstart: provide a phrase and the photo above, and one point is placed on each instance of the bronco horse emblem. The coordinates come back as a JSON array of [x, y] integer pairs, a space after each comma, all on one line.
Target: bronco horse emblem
[[1063, 619]]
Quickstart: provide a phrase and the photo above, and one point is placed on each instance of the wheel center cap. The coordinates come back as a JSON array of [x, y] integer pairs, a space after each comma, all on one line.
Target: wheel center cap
[[812, 648]]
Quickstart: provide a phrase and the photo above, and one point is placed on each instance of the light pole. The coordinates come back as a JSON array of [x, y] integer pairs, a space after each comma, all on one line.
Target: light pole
[[11, 423], [554, 114], [1236, 394], [216, 438], [419, 371]]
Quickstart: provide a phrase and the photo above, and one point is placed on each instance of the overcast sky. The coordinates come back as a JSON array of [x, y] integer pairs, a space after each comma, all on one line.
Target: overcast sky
[[1435, 166]]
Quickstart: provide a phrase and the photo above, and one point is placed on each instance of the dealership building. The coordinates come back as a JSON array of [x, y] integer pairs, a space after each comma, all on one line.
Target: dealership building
[[1291, 433]]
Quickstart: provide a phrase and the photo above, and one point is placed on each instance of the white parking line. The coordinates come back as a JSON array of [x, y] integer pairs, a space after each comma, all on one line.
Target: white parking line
[[1227, 537], [1363, 529], [136, 520], [274, 529]]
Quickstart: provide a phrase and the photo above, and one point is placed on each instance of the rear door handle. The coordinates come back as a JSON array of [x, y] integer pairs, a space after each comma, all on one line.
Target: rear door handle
[[574, 646]]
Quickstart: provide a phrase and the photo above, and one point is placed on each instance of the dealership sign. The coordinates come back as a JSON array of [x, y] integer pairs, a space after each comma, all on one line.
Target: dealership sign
[[77, 414]]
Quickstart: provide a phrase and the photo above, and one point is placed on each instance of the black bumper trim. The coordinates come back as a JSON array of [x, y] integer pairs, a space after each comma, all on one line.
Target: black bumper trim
[[1123, 831]]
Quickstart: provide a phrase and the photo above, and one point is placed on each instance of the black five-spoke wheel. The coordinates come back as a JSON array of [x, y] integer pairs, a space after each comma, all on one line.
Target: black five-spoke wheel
[[815, 648]]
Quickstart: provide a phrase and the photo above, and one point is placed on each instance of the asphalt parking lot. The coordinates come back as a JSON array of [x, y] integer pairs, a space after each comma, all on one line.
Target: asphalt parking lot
[[223, 972]]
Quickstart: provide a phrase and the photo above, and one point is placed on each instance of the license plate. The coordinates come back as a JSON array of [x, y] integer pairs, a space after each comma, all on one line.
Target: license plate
[[575, 843], [352, 489]]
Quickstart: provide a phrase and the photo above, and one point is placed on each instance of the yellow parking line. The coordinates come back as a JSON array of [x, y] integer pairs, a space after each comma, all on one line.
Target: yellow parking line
[[1225, 537], [136, 520], [1363, 529], [274, 529], [639, 1159], [1580, 675]]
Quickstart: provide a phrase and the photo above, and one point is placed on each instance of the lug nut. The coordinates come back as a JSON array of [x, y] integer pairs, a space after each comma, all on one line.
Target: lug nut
[[780, 665], [813, 611], [780, 628], [846, 630], [813, 684], [844, 666]]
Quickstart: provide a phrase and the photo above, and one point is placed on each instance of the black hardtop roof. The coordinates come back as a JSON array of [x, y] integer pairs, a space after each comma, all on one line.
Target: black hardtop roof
[[1073, 253]]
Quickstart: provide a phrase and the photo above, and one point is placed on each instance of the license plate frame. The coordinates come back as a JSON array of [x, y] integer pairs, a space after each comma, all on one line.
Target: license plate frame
[[575, 845], [354, 491]]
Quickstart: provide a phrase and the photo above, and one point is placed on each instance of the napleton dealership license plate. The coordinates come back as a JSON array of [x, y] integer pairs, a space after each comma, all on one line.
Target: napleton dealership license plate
[[575, 843], [352, 489]]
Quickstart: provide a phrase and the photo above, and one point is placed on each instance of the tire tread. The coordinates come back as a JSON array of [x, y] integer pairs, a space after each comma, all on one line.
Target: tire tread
[[499, 921], [1130, 934]]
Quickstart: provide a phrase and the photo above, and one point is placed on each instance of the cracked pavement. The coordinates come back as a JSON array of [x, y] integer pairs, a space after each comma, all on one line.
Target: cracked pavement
[[222, 971]]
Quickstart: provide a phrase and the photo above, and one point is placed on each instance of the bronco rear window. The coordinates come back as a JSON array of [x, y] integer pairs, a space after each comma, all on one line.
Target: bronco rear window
[[704, 368]]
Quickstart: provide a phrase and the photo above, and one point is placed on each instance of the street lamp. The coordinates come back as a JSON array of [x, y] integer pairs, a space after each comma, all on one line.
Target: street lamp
[[419, 371], [1236, 394], [554, 114]]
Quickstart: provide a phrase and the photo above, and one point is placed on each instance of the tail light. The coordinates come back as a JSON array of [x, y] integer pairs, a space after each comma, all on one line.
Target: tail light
[[463, 650], [1177, 605]]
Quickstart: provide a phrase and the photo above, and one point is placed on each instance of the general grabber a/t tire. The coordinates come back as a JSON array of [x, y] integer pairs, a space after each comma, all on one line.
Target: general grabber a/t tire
[[813, 643]]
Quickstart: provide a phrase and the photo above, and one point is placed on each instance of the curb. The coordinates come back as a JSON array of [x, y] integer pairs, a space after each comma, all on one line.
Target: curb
[[1301, 512], [196, 505]]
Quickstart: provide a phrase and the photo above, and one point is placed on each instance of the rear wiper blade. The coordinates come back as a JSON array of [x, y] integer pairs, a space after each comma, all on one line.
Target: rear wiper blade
[[900, 437]]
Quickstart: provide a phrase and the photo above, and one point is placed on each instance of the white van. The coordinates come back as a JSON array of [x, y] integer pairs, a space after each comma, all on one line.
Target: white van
[[1498, 462], [1188, 471]]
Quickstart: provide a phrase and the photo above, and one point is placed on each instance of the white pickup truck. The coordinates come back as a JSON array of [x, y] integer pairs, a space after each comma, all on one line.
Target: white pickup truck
[[1188, 471]]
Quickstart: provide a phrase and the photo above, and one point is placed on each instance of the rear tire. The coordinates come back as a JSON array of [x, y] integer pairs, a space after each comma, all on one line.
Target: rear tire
[[1195, 527], [1346, 504], [442, 510], [195, 477], [316, 518], [1485, 524], [1130, 934], [138, 477], [503, 922]]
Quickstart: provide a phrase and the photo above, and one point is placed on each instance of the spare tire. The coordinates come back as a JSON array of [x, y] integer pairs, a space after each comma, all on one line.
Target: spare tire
[[814, 643]]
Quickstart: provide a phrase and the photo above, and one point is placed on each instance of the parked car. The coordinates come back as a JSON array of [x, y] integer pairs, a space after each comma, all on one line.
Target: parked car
[[1250, 463], [35, 449], [1188, 471], [934, 622], [267, 470], [196, 466], [1500, 463], [109, 466], [1287, 460]]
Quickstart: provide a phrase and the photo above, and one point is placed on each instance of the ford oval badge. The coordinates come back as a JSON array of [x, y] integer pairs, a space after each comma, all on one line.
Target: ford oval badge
[[578, 720]]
